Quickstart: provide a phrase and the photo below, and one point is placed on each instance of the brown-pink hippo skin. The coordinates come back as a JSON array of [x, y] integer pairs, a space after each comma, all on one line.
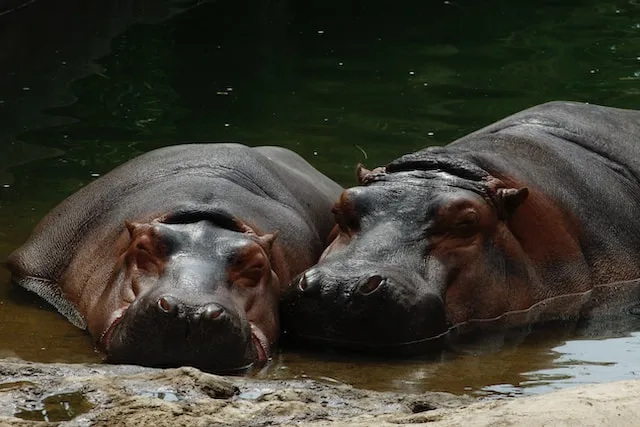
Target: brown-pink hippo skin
[[179, 256], [541, 204]]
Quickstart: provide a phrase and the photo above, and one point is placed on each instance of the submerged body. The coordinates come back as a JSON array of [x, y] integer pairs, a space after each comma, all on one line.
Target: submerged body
[[541, 204], [179, 256]]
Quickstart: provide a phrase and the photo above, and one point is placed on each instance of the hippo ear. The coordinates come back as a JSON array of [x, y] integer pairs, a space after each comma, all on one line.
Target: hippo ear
[[509, 199], [131, 227], [364, 175], [266, 240]]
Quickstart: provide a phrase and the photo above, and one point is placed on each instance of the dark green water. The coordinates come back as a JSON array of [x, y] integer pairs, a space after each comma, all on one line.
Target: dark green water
[[339, 82]]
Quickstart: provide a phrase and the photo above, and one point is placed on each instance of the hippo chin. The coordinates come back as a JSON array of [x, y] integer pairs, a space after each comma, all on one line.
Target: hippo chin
[[179, 256], [539, 205]]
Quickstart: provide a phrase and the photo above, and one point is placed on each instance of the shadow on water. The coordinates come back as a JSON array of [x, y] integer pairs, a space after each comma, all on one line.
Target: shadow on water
[[338, 82]]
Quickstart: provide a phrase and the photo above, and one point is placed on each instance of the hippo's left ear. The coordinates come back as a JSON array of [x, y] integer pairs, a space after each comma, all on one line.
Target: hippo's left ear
[[508, 200], [265, 240]]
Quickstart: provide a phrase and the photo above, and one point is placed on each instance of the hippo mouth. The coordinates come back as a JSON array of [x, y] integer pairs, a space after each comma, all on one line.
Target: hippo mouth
[[261, 343], [105, 338], [258, 339]]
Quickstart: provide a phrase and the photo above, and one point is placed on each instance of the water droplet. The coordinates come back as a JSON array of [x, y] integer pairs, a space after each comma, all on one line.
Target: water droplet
[[320, 31], [326, 120], [26, 88], [226, 125], [6, 186], [411, 73], [229, 89], [425, 84], [430, 133], [95, 175], [315, 153], [64, 62], [340, 64]]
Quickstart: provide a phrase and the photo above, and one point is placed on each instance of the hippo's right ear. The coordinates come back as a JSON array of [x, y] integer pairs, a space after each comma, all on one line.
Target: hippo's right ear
[[509, 199], [146, 252], [364, 175]]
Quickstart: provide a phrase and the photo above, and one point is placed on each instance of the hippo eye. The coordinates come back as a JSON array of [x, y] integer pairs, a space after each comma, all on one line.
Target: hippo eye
[[249, 267], [467, 221], [253, 275]]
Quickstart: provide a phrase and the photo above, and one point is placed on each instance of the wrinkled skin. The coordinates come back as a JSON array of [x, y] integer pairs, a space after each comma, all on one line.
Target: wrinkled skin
[[541, 204], [179, 257]]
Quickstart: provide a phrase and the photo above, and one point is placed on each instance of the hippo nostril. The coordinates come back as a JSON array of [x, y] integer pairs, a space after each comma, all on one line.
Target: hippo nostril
[[167, 304], [371, 284], [302, 283], [212, 312]]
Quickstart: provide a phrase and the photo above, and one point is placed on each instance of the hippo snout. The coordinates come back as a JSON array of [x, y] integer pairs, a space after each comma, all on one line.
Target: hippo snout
[[166, 330], [311, 281], [378, 308], [169, 306]]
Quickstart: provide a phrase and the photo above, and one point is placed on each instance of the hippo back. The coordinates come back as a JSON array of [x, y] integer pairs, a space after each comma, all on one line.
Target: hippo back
[[611, 133]]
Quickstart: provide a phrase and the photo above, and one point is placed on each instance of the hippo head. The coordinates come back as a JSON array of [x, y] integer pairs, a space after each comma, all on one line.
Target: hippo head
[[200, 290], [418, 248]]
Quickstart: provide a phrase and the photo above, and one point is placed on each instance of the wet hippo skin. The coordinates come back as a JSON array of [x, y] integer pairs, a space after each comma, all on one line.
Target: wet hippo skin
[[179, 256], [542, 204]]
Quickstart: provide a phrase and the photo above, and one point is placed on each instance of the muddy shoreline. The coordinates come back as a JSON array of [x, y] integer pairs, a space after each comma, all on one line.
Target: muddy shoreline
[[108, 395]]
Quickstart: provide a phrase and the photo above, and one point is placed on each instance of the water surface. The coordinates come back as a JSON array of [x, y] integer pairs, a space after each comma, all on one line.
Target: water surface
[[338, 82]]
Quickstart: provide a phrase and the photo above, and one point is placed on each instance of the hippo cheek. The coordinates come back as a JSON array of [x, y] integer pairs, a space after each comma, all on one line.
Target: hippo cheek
[[377, 310], [168, 332], [255, 291], [261, 308]]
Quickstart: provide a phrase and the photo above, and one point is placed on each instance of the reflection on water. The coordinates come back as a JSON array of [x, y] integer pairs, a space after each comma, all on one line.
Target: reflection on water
[[57, 407], [586, 361], [82, 92], [532, 363]]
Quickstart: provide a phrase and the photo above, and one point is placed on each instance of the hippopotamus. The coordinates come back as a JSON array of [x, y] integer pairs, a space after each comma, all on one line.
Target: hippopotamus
[[179, 256], [541, 204]]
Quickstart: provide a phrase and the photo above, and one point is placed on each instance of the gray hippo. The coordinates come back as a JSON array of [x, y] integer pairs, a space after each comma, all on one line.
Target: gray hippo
[[179, 256], [542, 204]]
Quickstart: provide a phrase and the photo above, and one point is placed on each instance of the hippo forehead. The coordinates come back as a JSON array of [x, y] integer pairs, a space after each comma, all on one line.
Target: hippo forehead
[[202, 239], [410, 192]]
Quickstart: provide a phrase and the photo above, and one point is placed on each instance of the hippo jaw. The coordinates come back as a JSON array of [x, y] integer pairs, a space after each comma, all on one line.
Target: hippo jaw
[[365, 306], [202, 348], [201, 296], [259, 340]]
